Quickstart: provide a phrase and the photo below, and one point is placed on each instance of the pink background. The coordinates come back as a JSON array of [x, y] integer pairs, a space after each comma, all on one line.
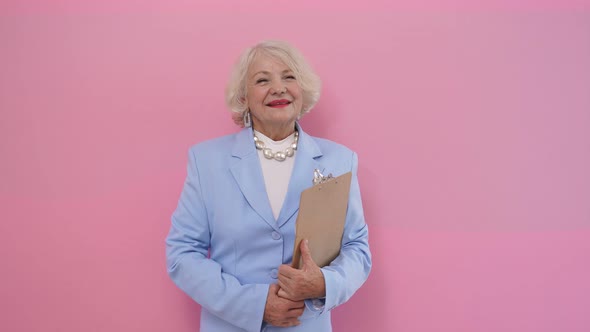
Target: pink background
[[471, 120]]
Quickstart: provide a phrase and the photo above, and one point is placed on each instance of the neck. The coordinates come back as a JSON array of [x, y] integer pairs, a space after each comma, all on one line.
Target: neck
[[276, 133]]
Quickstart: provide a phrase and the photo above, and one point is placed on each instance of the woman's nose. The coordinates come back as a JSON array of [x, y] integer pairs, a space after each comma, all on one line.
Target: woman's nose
[[278, 88]]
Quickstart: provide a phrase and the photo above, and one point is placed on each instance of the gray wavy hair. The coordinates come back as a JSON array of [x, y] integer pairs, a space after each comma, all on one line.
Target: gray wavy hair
[[309, 81]]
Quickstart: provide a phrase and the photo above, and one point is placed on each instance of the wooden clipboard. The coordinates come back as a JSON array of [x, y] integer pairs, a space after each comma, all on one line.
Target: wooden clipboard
[[322, 213]]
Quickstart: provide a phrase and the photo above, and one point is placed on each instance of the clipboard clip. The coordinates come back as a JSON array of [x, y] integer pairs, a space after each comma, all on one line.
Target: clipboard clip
[[319, 178]]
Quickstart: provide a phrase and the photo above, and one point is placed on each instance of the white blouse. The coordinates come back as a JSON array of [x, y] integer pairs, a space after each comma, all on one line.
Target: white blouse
[[276, 173]]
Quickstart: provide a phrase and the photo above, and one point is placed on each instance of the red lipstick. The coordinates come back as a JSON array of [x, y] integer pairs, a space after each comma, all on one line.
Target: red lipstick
[[279, 103]]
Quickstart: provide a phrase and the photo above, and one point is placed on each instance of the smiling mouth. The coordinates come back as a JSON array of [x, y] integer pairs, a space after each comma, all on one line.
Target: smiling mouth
[[279, 103]]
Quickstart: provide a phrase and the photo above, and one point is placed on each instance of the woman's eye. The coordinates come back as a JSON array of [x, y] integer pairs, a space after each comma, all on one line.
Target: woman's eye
[[290, 77], [261, 80]]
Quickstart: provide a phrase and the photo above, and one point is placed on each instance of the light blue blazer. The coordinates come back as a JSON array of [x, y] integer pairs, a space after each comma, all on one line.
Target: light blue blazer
[[225, 246]]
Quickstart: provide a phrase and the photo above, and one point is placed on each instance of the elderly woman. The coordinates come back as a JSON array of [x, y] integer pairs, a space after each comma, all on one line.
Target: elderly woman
[[233, 232]]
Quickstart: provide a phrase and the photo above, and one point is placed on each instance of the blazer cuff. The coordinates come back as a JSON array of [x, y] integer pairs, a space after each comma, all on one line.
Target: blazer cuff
[[332, 285], [316, 305]]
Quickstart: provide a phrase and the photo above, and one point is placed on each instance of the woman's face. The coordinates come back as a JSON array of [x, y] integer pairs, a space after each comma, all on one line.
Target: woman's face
[[273, 97]]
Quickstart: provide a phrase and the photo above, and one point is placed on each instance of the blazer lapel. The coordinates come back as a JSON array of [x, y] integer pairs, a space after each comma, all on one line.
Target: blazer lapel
[[302, 175], [248, 174]]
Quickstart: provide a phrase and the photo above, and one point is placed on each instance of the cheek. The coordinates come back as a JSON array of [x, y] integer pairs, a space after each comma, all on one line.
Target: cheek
[[254, 97], [297, 92], [260, 95]]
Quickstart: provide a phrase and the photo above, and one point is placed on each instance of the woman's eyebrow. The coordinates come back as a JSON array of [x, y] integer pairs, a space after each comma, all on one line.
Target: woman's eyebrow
[[261, 72]]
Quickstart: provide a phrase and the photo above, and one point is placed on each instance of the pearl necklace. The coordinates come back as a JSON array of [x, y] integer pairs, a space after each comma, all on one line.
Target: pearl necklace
[[279, 155]]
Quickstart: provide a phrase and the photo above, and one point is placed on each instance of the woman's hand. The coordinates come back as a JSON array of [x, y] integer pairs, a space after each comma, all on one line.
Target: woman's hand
[[306, 283], [280, 311]]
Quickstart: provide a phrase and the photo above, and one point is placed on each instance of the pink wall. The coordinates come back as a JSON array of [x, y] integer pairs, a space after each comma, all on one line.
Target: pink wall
[[472, 128]]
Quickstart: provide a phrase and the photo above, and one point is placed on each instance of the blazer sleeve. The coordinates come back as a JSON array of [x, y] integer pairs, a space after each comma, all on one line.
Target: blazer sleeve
[[346, 274], [187, 248]]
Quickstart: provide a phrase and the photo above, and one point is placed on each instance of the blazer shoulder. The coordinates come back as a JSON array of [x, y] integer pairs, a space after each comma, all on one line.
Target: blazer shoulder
[[329, 147]]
